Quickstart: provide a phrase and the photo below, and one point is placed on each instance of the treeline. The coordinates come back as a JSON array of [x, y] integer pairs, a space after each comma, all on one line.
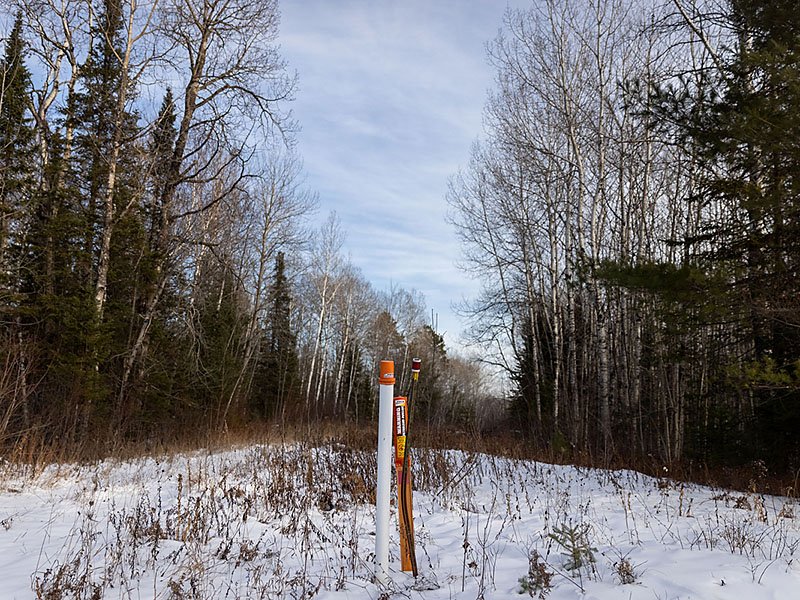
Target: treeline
[[632, 210], [158, 272]]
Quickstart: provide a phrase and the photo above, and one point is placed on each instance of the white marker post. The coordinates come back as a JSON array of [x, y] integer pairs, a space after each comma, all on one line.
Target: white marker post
[[383, 492]]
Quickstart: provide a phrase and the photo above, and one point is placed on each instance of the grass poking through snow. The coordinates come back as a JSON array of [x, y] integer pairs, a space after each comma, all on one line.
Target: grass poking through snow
[[297, 521]]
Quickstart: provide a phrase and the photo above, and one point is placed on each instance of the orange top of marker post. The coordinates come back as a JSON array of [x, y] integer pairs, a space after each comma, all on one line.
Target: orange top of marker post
[[387, 373]]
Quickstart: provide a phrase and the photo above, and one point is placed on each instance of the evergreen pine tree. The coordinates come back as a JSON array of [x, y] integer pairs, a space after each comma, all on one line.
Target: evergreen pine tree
[[16, 153], [162, 146], [92, 112], [87, 352], [161, 338], [276, 376], [751, 136], [220, 339], [741, 269], [429, 345]]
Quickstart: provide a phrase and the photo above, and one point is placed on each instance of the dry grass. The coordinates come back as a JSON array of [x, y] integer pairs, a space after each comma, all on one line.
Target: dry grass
[[34, 452], [286, 514]]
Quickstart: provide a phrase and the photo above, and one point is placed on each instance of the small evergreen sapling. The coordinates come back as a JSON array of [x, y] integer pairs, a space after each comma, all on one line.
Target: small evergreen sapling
[[575, 540]]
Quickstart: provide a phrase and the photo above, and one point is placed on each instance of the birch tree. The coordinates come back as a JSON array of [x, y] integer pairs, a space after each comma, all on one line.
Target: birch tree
[[541, 207], [224, 55], [324, 283]]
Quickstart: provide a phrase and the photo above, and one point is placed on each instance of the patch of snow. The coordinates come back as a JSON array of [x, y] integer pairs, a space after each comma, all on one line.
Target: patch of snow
[[296, 522]]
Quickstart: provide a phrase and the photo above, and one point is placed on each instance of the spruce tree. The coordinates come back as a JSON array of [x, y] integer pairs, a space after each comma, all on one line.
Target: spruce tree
[[161, 337], [740, 270], [93, 113], [16, 153], [220, 339], [752, 133], [162, 146], [752, 137], [91, 345], [276, 376], [428, 345]]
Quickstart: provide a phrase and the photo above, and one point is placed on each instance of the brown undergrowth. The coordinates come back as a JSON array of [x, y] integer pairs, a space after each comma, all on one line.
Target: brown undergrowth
[[36, 452]]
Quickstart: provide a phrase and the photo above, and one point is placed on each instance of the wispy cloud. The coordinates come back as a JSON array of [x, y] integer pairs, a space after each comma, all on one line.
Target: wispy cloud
[[390, 100]]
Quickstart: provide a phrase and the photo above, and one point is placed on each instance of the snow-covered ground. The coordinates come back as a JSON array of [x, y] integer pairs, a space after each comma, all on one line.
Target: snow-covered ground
[[296, 522]]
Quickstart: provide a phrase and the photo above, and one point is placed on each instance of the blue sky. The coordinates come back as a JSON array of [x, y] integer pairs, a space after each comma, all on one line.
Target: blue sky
[[390, 99]]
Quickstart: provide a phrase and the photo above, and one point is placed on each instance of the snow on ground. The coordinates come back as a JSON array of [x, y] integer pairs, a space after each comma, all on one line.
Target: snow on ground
[[296, 522]]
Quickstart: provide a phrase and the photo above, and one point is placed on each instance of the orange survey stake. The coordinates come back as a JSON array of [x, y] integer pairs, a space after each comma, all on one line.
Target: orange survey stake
[[403, 470], [400, 423]]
